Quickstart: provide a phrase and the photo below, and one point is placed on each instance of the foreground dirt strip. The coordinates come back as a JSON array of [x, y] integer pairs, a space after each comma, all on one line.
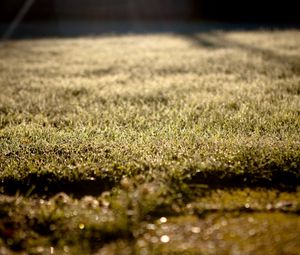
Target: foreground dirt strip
[[242, 221]]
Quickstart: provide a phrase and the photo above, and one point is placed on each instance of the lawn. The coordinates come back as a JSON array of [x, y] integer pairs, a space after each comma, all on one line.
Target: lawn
[[151, 144]]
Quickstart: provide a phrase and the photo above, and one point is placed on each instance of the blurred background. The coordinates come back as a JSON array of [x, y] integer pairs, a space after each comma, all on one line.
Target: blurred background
[[74, 17]]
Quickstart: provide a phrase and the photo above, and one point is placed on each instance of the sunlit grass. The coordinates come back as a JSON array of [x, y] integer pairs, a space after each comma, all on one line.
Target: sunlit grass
[[155, 121]]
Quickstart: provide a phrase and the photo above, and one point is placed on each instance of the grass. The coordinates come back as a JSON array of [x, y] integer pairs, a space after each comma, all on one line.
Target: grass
[[151, 144]]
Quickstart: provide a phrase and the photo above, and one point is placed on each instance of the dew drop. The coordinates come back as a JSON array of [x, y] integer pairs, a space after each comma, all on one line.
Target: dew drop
[[247, 206], [163, 220], [195, 230], [164, 239]]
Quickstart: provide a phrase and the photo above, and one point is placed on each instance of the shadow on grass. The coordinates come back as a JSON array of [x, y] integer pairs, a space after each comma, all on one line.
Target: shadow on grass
[[215, 40], [73, 29], [48, 184], [277, 179]]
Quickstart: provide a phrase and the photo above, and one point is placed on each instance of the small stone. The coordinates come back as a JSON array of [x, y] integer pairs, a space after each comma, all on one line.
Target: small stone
[[61, 198], [269, 206], [126, 183], [283, 205], [39, 249], [90, 201], [66, 249]]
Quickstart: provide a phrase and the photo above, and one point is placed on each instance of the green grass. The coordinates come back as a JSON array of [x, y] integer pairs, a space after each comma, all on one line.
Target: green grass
[[201, 129]]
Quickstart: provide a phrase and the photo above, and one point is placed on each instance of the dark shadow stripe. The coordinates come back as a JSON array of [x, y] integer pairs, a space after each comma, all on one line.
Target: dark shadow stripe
[[278, 179], [74, 29], [49, 184]]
